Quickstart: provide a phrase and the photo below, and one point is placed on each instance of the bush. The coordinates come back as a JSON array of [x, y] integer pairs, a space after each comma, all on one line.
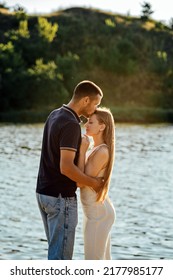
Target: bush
[[46, 85], [159, 62]]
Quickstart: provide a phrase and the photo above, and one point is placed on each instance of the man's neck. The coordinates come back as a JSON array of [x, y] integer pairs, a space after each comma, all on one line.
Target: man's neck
[[74, 107]]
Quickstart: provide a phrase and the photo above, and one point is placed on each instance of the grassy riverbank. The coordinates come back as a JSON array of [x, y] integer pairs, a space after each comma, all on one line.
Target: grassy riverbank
[[127, 115]]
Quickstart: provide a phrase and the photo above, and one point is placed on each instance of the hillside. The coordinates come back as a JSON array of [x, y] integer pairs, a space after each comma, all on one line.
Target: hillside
[[42, 58]]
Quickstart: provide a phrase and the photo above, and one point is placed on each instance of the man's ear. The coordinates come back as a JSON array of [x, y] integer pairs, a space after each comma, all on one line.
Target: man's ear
[[86, 100]]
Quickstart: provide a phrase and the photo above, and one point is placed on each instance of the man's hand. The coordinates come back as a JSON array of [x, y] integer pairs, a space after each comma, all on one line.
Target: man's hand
[[99, 183]]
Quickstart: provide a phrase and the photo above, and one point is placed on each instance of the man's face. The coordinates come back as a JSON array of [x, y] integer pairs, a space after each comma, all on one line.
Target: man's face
[[91, 106]]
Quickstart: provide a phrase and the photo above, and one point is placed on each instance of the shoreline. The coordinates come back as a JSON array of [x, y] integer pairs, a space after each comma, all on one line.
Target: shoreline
[[133, 115]]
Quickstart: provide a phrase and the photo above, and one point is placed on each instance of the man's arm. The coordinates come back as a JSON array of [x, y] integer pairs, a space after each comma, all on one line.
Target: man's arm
[[69, 169]]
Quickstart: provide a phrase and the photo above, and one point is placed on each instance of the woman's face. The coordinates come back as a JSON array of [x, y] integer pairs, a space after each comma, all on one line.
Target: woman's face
[[92, 126]]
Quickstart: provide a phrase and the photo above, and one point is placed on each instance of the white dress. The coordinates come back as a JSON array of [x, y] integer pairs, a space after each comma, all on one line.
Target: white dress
[[97, 223]]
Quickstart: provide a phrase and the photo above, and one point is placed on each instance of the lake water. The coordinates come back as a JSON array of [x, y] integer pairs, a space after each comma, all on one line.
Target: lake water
[[141, 190]]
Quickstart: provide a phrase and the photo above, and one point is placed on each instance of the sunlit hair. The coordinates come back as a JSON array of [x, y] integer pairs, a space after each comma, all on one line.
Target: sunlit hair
[[86, 88], [105, 116]]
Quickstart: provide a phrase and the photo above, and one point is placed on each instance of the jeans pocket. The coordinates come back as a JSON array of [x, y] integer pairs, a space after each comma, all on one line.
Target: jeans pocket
[[50, 204]]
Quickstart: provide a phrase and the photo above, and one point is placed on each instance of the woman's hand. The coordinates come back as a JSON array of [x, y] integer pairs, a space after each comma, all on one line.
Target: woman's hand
[[85, 142]]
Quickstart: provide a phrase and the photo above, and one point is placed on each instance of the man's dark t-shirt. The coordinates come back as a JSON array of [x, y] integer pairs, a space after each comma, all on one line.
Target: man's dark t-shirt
[[62, 131]]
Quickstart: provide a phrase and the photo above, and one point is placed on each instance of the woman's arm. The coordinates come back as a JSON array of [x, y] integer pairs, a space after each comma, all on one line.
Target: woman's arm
[[82, 154], [95, 163]]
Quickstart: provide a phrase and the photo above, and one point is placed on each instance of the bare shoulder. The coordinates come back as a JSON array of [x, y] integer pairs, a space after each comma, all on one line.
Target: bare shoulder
[[101, 154], [103, 151], [97, 161]]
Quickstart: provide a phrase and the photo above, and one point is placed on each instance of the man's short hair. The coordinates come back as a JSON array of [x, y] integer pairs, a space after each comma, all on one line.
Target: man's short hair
[[86, 88]]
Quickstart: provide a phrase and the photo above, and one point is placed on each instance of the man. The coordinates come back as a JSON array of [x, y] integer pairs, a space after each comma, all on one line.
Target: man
[[58, 171]]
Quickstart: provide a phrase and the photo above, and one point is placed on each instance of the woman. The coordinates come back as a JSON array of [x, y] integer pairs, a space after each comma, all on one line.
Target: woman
[[99, 213]]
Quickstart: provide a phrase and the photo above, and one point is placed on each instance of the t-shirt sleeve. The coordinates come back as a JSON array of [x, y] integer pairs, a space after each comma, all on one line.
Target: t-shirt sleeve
[[70, 137]]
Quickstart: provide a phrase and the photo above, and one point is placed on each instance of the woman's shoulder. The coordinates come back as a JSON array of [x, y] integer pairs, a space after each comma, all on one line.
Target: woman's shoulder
[[101, 149], [100, 152]]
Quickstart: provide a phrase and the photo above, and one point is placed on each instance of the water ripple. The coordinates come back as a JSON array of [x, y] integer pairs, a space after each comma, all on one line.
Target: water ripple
[[141, 190]]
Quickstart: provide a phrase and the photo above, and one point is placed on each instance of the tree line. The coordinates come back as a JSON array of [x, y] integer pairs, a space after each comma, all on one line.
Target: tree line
[[42, 58]]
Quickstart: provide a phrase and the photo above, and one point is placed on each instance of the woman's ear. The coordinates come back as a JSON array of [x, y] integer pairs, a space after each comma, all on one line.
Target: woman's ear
[[102, 127]]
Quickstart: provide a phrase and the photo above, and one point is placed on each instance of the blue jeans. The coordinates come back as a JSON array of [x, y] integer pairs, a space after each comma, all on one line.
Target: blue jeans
[[60, 219]]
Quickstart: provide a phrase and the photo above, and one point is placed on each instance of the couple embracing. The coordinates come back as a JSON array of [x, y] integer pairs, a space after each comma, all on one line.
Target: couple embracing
[[67, 163]]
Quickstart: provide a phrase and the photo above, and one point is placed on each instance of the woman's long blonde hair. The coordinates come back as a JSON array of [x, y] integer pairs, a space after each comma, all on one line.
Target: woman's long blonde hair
[[105, 116]]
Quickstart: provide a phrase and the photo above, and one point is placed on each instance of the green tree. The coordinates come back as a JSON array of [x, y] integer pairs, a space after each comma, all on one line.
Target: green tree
[[23, 29], [21, 41], [46, 87], [41, 42], [47, 30], [171, 23], [21, 32], [109, 22], [159, 62], [3, 5], [13, 83], [68, 65], [146, 11], [20, 12]]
